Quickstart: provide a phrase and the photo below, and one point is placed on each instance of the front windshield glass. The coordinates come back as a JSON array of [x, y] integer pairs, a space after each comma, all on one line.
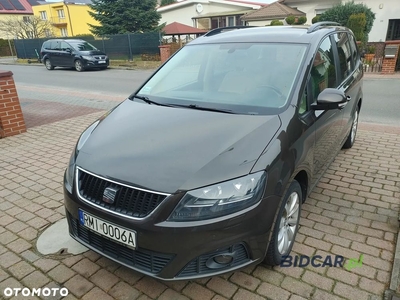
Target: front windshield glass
[[83, 46], [250, 78]]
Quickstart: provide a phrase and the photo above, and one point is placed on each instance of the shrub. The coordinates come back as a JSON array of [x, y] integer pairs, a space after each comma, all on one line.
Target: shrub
[[357, 24], [301, 20], [371, 49], [290, 20], [276, 23], [315, 19], [342, 12]]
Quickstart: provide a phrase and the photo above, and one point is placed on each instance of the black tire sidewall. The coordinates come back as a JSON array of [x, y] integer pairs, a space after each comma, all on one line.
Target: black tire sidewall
[[273, 257]]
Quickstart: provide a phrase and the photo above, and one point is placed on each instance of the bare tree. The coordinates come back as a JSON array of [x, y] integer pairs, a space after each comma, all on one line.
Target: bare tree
[[27, 27]]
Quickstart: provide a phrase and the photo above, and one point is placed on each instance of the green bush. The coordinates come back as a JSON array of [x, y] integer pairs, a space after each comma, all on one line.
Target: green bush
[[276, 23], [341, 14], [301, 20], [315, 19], [290, 20], [357, 23]]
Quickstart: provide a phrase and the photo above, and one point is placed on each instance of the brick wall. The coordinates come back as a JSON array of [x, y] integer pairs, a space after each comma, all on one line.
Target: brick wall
[[11, 117], [389, 64]]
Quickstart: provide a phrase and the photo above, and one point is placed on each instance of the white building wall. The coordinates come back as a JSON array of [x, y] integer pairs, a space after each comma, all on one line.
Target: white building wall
[[184, 14], [384, 11], [312, 8]]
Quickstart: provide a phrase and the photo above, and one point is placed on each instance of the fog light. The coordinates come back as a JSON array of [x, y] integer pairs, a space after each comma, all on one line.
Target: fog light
[[223, 259]]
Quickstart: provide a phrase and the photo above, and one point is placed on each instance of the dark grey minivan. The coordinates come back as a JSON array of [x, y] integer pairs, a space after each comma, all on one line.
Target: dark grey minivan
[[204, 169], [74, 53]]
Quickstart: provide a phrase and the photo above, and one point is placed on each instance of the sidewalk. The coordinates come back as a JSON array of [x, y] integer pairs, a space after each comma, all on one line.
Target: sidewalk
[[354, 210]]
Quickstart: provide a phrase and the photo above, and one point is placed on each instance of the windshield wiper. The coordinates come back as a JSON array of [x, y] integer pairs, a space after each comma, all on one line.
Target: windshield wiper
[[195, 106], [148, 101]]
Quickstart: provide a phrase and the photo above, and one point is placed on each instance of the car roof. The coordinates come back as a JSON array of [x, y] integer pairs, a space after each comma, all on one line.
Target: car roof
[[66, 40], [279, 34]]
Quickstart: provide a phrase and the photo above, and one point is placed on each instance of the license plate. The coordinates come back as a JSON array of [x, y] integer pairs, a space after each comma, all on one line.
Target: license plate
[[107, 229], [102, 61]]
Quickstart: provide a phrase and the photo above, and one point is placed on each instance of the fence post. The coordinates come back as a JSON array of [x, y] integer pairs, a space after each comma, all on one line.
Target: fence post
[[130, 48], [104, 47], [23, 46]]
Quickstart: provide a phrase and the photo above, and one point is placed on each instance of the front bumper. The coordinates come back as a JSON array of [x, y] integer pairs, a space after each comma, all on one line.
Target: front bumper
[[92, 64], [178, 250]]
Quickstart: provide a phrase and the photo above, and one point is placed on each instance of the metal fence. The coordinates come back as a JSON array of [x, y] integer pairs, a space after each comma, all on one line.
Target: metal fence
[[121, 46], [373, 65]]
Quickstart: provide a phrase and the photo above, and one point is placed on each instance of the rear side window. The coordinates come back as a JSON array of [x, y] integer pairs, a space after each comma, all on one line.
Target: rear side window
[[345, 54], [354, 49], [323, 72], [55, 45], [47, 45]]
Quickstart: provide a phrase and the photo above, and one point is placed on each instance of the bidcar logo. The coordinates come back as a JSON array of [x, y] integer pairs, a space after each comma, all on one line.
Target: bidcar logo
[[317, 261]]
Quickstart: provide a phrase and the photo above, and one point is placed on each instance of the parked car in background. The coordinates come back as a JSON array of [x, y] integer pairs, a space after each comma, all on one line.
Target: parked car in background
[[203, 170], [75, 53]]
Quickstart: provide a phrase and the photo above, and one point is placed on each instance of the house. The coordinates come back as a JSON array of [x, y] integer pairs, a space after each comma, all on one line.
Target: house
[[15, 8], [207, 14], [274, 11], [387, 13], [68, 18]]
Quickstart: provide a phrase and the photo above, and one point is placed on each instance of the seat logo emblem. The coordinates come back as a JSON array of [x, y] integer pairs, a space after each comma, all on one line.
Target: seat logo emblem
[[109, 195]]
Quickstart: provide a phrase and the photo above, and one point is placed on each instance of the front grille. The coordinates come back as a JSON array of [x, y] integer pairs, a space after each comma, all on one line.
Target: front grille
[[198, 265], [142, 259], [128, 201], [100, 57]]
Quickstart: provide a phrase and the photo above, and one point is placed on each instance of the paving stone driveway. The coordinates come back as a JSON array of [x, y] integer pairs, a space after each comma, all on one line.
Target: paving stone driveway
[[352, 211]]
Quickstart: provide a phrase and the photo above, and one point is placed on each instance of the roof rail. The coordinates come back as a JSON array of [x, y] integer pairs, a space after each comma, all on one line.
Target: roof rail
[[317, 25], [222, 29]]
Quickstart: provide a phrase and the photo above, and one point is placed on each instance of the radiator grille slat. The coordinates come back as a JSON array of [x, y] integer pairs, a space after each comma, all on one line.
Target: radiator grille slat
[[128, 200]]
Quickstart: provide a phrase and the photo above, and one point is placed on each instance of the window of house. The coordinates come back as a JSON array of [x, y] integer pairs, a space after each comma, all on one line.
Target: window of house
[[43, 15], [231, 21], [344, 52], [47, 32], [64, 32], [393, 32], [25, 19], [60, 13]]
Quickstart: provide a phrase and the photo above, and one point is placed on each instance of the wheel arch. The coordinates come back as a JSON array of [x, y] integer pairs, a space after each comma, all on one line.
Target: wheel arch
[[302, 178]]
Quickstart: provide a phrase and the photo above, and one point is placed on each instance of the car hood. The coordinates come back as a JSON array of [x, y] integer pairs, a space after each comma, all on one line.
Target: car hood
[[93, 52], [167, 149]]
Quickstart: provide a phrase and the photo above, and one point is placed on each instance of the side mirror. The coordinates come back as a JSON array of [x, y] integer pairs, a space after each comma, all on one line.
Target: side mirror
[[330, 99]]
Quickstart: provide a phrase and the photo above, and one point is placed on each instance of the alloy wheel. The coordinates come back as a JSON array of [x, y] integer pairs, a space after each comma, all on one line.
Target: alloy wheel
[[354, 127], [288, 223]]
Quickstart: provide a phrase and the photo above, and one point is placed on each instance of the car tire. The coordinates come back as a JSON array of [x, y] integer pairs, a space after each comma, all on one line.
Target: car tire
[[286, 225], [353, 132], [78, 65], [49, 66]]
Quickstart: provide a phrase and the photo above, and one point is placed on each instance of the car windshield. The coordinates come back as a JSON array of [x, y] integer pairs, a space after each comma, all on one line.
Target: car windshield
[[82, 46], [248, 78]]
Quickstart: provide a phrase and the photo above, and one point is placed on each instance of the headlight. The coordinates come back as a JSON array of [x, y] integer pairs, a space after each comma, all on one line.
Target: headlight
[[220, 199], [69, 173], [88, 57]]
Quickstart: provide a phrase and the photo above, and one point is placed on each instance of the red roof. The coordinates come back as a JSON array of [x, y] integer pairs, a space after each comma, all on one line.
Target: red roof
[[17, 6], [179, 28]]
